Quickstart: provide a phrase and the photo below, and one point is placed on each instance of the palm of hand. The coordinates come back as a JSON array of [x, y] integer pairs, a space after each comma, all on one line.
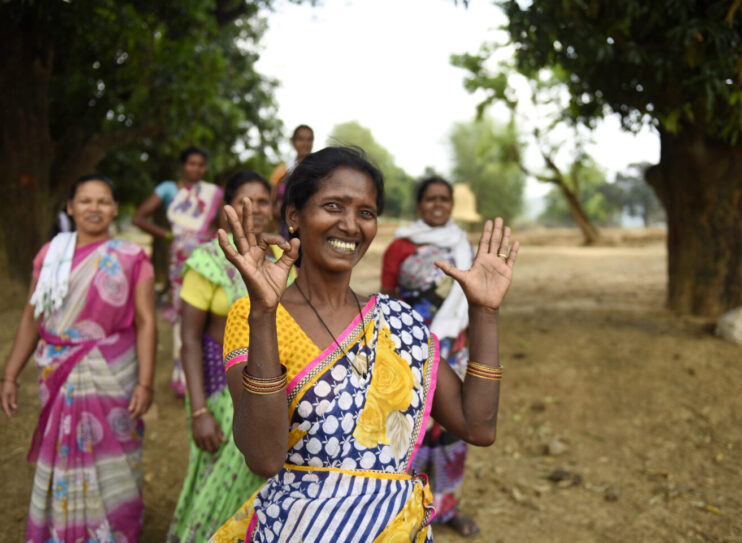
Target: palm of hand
[[265, 280], [488, 280]]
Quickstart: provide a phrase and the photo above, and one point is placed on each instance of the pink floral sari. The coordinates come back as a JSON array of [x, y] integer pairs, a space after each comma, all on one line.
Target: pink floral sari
[[87, 485], [191, 214]]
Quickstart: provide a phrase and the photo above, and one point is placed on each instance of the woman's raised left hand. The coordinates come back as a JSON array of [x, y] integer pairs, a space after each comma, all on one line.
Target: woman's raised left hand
[[488, 280]]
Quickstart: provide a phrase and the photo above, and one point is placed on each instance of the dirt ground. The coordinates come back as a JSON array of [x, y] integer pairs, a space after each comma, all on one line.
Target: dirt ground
[[618, 420]]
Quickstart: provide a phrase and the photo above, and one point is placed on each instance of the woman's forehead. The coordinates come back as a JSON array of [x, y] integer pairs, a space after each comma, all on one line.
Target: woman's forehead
[[347, 181], [94, 188]]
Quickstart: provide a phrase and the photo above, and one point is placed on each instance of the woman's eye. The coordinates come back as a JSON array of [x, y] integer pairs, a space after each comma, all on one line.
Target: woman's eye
[[332, 205]]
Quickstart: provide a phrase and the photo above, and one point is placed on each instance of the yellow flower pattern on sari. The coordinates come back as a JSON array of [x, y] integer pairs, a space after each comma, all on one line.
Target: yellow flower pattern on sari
[[390, 391], [409, 520]]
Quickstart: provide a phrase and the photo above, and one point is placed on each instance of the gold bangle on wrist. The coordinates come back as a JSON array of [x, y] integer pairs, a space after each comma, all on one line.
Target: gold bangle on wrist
[[481, 371], [263, 386], [200, 411], [6, 380]]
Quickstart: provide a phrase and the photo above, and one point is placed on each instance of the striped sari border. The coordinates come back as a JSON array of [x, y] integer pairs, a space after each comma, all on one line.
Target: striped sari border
[[431, 378], [235, 357]]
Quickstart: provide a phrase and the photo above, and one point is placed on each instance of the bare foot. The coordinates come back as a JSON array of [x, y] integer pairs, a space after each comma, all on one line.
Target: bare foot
[[464, 525]]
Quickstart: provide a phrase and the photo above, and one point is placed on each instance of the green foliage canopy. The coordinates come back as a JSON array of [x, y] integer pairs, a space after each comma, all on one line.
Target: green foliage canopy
[[398, 185], [587, 180], [134, 82], [125, 82], [673, 63], [487, 157]]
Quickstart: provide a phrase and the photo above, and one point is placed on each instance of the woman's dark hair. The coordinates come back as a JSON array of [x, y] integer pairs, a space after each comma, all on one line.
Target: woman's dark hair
[[94, 177], [425, 183], [241, 178], [304, 181], [301, 127], [193, 150]]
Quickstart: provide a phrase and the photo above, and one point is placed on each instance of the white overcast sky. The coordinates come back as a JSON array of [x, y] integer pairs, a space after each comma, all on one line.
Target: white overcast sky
[[385, 64]]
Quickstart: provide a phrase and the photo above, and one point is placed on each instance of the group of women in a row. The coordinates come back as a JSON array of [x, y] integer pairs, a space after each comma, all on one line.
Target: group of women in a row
[[308, 403]]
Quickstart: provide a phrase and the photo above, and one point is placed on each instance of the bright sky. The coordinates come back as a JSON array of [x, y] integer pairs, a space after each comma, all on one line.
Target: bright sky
[[385, 64]]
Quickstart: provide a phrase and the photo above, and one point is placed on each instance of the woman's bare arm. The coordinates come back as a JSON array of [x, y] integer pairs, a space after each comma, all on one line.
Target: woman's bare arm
[[26, 336], [144, 211], [146, 330], [255, 415], [205, 430], [469, 409], [260, 421]]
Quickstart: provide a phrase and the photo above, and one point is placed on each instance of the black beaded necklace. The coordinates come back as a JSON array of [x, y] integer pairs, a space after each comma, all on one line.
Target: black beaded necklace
[[363, 373]]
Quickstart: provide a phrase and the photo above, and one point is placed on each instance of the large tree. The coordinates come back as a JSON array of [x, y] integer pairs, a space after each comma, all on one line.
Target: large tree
[[487, 156], [598, 200], [398, 185], [635, 198], [537, 102], [129, 81], [677, 65]]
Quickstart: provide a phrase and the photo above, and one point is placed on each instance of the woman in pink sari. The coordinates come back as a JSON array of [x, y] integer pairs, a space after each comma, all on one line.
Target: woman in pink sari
[[90, 323], [192, 205]]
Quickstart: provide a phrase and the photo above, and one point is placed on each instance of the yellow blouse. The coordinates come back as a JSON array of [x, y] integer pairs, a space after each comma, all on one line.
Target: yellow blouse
[[295, 349], [203, 294]]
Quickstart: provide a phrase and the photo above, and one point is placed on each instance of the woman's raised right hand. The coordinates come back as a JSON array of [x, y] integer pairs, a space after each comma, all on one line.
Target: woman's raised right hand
[[265, 280]]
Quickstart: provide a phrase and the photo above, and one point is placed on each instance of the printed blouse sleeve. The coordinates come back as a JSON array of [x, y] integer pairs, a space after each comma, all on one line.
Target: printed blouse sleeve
[[146, 271], [142, 269], [237, 333], [395, 254]]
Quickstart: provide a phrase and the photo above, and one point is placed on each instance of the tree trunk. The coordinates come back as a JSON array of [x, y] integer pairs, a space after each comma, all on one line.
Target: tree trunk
[[699, 183], [37, 169], [26, 153], [590, 233]]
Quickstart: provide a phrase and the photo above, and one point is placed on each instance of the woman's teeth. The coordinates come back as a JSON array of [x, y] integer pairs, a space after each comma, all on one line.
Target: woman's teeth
[[345, 246]]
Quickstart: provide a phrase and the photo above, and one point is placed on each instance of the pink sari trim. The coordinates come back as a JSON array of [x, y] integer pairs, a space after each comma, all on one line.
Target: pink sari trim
[[327, 352], [251, 527], [429, 398], [235, 360]]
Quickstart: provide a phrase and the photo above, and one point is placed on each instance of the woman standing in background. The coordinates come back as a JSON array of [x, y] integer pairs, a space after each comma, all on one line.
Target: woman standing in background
[[192, 205], [217, 478], [94, 343], [409, 273], [303, 140]]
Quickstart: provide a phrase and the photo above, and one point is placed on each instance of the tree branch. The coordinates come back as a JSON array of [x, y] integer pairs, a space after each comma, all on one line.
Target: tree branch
[[227, 11]]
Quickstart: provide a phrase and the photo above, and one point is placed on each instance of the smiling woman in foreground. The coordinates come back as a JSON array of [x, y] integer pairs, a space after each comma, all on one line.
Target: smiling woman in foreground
[[332, 391]]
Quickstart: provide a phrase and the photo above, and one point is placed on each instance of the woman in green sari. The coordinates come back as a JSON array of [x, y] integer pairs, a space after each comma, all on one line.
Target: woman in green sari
[[217, 477]]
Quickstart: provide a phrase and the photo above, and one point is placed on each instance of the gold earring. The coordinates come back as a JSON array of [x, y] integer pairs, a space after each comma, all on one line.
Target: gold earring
[[291, 230]]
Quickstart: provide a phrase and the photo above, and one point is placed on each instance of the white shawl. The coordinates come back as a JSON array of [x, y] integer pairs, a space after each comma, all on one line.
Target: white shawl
[[453, 315], [53, 283]]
